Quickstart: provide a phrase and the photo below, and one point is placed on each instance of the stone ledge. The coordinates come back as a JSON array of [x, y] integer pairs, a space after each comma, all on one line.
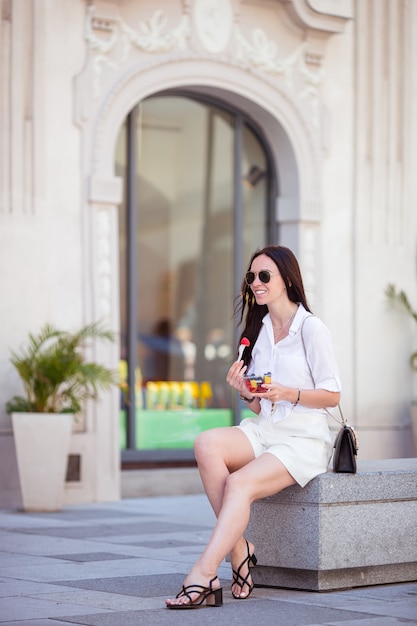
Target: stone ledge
[[341, 530], [400, 483]]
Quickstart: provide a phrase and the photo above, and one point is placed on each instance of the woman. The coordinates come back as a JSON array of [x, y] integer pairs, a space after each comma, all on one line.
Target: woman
[[286, 442]]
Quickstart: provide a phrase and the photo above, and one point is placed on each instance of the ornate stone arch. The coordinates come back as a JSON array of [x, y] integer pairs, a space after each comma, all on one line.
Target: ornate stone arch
[[293, 139]]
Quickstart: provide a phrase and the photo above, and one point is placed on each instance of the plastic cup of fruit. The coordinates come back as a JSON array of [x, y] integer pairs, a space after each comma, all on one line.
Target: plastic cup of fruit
[[255, 384]]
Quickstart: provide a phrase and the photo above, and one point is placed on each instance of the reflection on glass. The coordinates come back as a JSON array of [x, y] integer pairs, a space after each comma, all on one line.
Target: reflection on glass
[[255, 190]]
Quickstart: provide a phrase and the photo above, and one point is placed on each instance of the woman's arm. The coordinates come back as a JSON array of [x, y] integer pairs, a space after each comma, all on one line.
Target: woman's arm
[[312, 398], [235, 379], [252, 403]]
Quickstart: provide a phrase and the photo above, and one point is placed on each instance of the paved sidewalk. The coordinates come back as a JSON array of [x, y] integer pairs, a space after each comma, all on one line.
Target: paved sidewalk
[[113, 564]]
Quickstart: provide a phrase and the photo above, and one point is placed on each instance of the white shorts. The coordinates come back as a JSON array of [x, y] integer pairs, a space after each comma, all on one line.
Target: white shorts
[[302, 442]]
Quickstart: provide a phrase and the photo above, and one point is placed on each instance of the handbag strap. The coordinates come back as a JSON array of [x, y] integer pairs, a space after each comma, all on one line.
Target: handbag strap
[[342, 421]]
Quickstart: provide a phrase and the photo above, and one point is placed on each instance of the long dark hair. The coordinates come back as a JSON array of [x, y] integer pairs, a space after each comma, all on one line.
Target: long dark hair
[[246, 306]]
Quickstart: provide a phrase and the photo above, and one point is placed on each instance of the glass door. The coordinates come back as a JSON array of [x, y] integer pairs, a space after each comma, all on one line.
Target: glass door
[[197, 190]]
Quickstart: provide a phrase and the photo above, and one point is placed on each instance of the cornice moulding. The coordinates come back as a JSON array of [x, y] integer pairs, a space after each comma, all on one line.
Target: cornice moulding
[[327, 16]]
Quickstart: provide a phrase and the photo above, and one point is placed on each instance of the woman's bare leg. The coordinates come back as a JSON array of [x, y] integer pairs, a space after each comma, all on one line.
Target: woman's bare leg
[[257, 479], [218, 453]]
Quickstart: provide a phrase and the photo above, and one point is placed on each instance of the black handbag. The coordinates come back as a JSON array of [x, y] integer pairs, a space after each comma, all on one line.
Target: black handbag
[[346, 443], [345, 450]]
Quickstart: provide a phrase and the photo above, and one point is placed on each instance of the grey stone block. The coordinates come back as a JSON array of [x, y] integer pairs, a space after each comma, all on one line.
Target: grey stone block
[[341, 530]]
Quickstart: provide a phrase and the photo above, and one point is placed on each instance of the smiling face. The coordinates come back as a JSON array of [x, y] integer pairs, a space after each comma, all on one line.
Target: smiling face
[[272, 292]]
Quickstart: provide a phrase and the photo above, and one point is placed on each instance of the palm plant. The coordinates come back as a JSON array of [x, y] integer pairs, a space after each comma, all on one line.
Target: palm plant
[[401, 298], [55, 374]]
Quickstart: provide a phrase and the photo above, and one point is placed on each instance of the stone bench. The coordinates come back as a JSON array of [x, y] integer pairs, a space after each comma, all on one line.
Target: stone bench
[[340, 531]]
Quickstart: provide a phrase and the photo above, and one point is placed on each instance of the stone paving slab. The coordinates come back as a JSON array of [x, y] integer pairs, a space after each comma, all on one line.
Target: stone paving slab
[[138, 586], [9, 589], [105, 530], [232, 613], [166, 543], [104, 600], [20, 543], [92, 570], [36, 622], [90, 556], [26, 608]]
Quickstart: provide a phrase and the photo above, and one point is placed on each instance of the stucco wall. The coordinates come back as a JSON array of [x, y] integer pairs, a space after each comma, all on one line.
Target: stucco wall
[[335, 94]]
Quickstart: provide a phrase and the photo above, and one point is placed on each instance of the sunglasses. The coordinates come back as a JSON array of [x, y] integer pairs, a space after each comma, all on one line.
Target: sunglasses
[[264, 276]]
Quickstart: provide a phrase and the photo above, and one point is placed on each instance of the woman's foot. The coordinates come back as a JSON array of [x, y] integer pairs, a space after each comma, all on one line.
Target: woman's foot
[[195, 591], [242, 584]]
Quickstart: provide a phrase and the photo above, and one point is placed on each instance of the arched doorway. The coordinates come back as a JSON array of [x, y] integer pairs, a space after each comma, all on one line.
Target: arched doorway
[[200, 190]]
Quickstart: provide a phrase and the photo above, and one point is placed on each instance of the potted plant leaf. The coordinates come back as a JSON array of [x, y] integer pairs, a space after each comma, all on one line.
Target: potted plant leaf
[[400, 298], [57, 380]]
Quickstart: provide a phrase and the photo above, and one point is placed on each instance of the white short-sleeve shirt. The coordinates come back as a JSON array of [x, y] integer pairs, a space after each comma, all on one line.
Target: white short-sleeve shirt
[[286, 360]]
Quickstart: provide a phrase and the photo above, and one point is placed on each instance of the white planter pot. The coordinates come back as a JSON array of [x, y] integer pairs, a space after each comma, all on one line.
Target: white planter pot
[[42, 443]]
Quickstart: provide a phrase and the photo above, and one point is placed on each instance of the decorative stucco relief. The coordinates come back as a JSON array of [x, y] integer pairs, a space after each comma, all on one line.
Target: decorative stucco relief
[[104, 264], [151, 38], [262, 53], [112, 43]]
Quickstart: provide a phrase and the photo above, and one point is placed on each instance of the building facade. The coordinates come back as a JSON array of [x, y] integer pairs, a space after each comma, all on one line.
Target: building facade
[[148, 148]]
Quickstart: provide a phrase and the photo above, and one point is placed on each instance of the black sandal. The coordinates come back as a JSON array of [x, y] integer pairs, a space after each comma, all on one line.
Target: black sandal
[[213, 597], [238, 579]]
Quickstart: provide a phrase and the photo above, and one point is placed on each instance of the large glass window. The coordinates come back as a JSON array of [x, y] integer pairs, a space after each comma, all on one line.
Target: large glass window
[[197, 204]]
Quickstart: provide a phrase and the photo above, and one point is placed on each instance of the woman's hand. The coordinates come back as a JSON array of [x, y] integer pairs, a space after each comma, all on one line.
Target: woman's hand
[[273, 392], [235, 378]]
